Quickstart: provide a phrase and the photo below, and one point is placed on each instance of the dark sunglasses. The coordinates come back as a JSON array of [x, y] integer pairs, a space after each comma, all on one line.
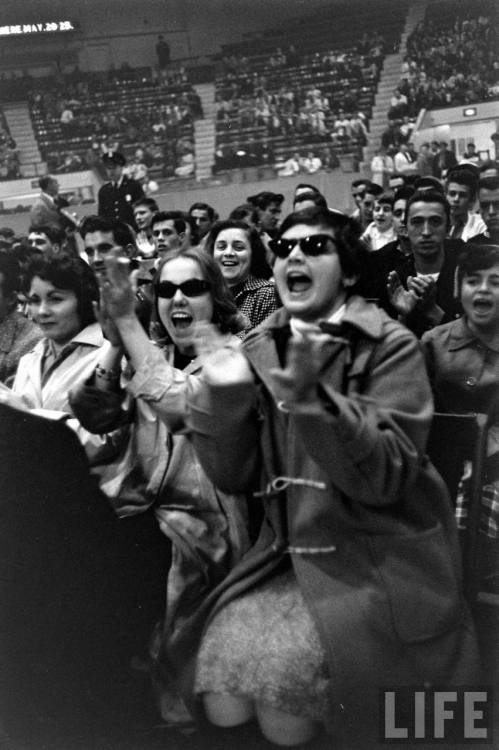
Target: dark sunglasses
[[316, 244], [191, 288]]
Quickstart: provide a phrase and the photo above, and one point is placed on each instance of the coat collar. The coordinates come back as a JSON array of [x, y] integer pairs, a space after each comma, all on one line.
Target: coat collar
[[359, 314], [260, 345], [460, 336], [90, 336]]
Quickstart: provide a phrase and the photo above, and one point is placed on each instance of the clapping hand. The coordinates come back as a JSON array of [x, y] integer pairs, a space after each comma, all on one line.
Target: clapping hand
[[305, 359], [116, 289], [403, 300], [222, 360]]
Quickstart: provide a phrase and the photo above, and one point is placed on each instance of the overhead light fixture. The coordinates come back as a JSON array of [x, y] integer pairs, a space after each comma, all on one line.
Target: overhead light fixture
[[469, 112]]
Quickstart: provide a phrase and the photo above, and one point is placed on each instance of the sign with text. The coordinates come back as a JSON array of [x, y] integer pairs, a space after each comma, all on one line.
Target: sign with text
[[437, 716], [44, 27]]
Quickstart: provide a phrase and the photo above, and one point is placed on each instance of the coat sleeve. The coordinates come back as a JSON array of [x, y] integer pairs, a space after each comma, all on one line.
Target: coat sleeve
[[164, 388], [225, 432], [371, 443]]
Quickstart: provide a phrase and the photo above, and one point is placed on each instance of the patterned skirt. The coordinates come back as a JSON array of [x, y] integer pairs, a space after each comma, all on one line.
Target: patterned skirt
[[265, 646]]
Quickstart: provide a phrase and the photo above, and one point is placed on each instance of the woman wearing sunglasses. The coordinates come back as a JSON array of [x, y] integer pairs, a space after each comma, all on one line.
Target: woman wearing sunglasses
[[353, 586], [207, 528], [241, 256]]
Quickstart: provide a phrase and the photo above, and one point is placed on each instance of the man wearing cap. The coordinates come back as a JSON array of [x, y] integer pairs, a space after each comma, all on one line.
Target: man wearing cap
[[116, 197]]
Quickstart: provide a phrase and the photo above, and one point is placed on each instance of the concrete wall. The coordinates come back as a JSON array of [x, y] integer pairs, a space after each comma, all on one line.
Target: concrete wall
[[334, 185]]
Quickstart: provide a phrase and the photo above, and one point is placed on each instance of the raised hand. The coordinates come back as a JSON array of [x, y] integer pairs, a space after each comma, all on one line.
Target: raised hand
[[116, 289], [222, 360], [403, 300], [298, 380]]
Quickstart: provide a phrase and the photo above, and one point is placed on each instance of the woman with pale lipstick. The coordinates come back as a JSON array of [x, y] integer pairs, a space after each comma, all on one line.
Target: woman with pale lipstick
[[61, 293], [241, 255]]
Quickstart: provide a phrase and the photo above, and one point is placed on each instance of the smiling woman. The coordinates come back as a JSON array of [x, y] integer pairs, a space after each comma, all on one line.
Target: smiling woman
[[61, 293], [242, 259], [207, 527]]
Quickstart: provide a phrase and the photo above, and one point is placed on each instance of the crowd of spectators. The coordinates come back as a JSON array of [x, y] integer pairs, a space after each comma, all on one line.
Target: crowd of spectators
[[79, 113], [322, 98], [448, 64], [9, 157]]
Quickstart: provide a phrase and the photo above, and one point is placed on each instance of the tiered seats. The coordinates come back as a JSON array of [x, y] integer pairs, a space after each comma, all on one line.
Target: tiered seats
[[306, 84], [451, 56], [133, 111]]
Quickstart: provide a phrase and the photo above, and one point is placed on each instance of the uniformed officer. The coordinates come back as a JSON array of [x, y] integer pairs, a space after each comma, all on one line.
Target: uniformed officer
[[117, 196]]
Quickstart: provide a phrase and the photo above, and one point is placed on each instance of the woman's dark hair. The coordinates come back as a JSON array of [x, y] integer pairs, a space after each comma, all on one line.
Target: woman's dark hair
[[352, 252], [475, 257], [71, 274], [226, 316], [259, 266], [10, 271]]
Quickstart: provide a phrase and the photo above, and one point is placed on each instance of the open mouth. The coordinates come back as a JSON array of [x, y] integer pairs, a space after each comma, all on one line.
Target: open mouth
[[229, 263], [298, 282], [482, 305], [181, 320]]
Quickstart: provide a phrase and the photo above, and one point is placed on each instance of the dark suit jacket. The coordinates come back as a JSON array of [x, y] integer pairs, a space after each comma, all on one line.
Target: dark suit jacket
[[449, 161], [117, 202], [445, 288]]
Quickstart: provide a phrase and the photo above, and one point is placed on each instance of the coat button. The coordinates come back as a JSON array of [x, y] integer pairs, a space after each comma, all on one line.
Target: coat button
[[471, 380]]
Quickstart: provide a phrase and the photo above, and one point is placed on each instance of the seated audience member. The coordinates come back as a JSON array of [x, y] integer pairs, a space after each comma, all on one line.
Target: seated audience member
[[428, 182], [421, 288], [18, 334], [382, 167], [308, 200], [269, 208], [462, 353], [268, 420], [488, 201], [424, 160], [396, 181], [461, 190], [61, 294], [357, 190], [207, 528], [143, 211], [171, 232], [403, 161], [290, 167], [392, 254], [100, 236], [381, 230], [247, 213], [366, 209], [48, 240], [470, 156], [204, 216], [242, 259], [443, 161], [186, 166]]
